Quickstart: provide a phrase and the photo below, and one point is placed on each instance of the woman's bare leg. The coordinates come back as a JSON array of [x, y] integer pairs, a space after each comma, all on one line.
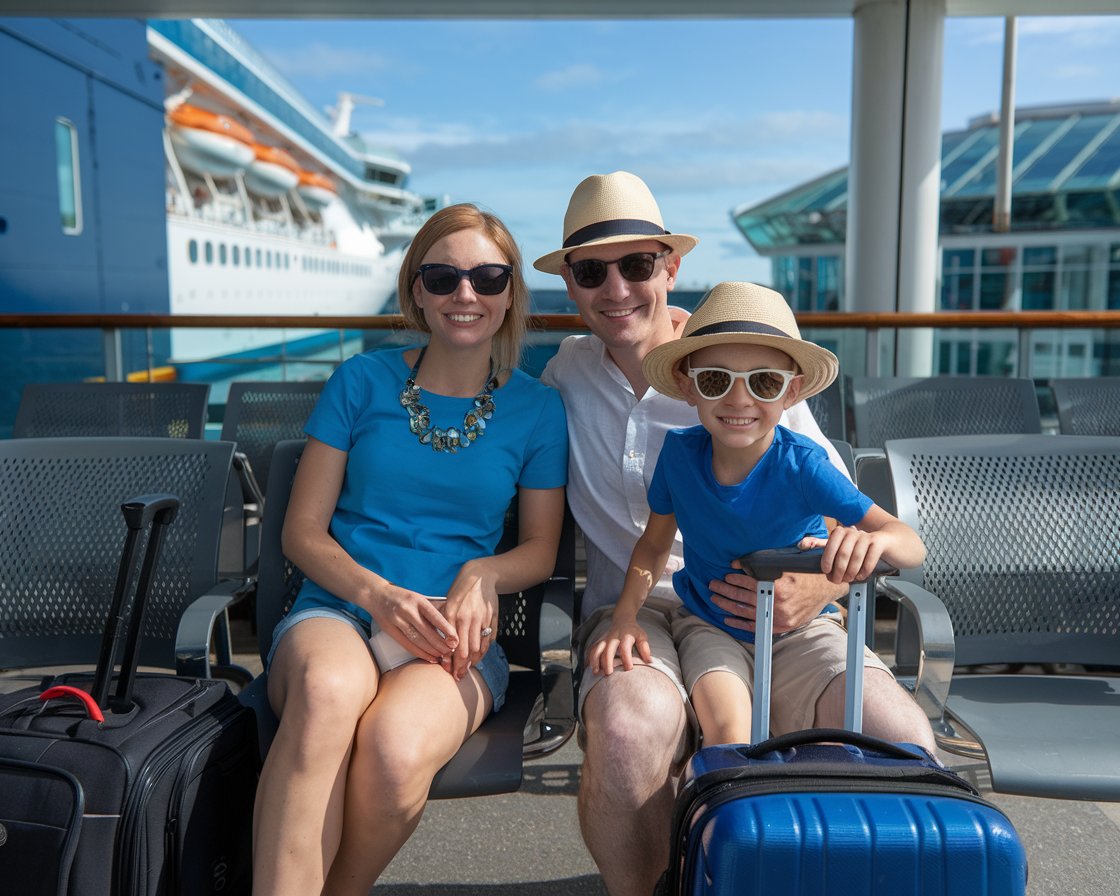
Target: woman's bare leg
[[420, 718], [321, 682]]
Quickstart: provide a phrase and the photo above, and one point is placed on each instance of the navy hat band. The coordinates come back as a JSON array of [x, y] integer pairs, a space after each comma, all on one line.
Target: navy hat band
[[615, 227], [739, 326]]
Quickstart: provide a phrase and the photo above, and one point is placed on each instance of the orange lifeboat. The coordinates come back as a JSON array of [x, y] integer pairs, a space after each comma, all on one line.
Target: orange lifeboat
[[316, 189], [209, 143], [272, 172]]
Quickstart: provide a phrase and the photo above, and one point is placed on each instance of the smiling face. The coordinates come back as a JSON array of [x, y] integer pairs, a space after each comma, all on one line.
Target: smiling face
[[462, 319], [741, 426], [627, 316]]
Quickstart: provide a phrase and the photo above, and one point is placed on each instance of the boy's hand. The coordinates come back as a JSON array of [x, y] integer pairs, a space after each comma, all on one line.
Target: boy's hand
[[850, 554], [620, 642]]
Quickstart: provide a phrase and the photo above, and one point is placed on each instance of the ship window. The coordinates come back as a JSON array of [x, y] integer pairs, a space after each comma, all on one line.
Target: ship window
[[192, 251], [69, 185], [221, 253], [258, 258], [209, 249], [236, 256]]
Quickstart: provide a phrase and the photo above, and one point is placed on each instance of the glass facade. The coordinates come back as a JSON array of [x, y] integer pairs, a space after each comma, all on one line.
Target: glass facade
[[1062, 252]]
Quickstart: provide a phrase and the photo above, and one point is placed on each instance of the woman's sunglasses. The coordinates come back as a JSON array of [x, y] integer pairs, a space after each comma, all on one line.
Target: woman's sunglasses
[[764, 384], [636, 267], [486, 279]]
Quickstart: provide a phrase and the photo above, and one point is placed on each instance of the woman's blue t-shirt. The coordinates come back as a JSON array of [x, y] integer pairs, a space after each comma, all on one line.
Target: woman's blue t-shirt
[[413, 515], [784, 498]]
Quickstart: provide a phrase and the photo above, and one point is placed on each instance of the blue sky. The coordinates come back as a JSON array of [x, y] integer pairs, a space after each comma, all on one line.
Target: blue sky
[[711, 113]]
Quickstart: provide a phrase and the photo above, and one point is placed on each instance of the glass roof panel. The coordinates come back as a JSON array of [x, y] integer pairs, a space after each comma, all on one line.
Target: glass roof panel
[[1039, 177], [1100, 168], [954, 170]]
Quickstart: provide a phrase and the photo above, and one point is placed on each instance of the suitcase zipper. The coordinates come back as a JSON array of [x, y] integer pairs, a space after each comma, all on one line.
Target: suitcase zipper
[[165, 756]]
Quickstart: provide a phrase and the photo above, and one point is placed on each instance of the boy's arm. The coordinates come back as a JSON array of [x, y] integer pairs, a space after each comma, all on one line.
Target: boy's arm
[[647, 563], [851, 552]]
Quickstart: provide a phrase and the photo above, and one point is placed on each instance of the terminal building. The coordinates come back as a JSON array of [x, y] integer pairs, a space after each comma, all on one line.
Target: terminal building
[[1062, 251]]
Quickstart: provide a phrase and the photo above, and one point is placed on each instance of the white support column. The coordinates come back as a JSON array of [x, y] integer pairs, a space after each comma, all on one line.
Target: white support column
[[921, 183], [894, 179]]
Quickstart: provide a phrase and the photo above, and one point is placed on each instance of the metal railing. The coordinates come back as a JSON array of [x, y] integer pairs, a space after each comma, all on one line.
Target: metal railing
[[874, 331]]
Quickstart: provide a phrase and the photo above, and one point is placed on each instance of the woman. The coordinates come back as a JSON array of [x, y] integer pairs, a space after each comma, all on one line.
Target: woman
[[412, 458]]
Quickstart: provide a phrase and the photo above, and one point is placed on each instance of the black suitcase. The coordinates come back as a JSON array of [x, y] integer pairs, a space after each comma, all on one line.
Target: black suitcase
[[146, 791]]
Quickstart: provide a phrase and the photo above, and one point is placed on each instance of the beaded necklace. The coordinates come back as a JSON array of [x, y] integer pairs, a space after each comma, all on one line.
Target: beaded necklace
[[451, 439]]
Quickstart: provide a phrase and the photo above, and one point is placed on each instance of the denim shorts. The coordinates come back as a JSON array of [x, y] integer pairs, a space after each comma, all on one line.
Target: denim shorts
[[493, 667]]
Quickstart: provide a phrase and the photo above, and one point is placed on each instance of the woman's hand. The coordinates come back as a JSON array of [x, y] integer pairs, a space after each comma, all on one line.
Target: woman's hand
[[472, 611], [621, 640], [414, 622]]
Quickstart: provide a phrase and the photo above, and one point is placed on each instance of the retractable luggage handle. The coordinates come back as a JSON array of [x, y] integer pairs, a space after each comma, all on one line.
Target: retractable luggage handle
[[157, 511], [766, 566]]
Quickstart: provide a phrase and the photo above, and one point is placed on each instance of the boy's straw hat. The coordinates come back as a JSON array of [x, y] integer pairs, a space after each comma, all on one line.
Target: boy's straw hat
[[612, 208], [742, 313]]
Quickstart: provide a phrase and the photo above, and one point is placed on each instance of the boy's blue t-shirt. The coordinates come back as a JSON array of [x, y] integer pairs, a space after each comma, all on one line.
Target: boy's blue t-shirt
[[414, 515], [784, 498]]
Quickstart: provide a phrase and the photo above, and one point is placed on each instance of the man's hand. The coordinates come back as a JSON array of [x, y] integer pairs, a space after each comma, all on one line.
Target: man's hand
[[798, 599]]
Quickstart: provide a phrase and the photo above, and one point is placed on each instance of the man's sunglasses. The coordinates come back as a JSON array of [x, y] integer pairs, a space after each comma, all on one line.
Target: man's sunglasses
[[636, 267], [765, 384], [443, 279]]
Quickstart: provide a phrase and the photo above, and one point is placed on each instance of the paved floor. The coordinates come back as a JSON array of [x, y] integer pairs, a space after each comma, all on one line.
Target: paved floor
[[528, 843]]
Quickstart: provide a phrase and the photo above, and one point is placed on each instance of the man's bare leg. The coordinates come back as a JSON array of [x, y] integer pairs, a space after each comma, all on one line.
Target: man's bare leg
[[634, 722]]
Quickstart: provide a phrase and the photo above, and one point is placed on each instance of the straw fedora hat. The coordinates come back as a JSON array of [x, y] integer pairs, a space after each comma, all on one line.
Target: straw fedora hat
[[612, 208], [742, 313]]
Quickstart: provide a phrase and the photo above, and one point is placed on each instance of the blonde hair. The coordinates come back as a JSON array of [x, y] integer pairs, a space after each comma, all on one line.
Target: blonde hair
[[506, 349]]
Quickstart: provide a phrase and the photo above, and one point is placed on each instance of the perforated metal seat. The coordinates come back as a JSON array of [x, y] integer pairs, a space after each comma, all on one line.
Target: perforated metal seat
[[534, 629], [260, 414], [60, 545], [1088, 406], [163, 410], [1022, 535], [257, 416], [885, 408], [827, 408]]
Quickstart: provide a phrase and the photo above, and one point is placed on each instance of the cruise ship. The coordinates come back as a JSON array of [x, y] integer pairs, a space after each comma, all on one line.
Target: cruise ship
[[167, 167]]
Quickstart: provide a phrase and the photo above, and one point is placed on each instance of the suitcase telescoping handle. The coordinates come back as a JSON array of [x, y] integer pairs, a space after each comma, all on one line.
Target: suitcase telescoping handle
[[156, 511], [766, 566]]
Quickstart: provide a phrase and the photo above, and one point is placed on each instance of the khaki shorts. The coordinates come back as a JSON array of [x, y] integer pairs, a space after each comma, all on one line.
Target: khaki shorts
[[685, 647]]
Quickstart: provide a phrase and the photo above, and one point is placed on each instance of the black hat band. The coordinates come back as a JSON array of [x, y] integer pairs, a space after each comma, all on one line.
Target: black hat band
[[739, 326], [614, 227]]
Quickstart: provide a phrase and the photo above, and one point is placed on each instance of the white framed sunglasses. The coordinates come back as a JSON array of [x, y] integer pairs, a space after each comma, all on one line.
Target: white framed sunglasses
[[765, 384]]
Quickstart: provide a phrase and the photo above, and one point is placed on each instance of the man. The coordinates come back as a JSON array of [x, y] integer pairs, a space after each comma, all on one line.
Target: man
[[619, 264]]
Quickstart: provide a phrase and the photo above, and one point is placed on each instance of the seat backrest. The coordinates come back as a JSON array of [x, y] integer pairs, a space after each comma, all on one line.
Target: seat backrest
[[885, 408], [1088, 406], [260, 414], [161, 410], [846, 455], [61, 535], [1022, 534], [827, 408], [278, 581]]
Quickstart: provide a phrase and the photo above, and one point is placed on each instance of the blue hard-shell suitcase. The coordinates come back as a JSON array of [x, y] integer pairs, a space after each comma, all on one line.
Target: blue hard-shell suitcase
[[833, 812]]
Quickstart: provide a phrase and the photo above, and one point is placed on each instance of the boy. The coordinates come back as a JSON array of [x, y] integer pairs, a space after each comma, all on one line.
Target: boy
[[739, 483]]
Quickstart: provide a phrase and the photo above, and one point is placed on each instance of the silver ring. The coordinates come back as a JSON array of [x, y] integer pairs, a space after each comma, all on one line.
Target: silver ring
[[487, 632], [413, 634]]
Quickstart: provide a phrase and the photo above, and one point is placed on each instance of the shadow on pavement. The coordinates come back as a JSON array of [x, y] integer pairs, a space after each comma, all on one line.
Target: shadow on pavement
[[586, 885]]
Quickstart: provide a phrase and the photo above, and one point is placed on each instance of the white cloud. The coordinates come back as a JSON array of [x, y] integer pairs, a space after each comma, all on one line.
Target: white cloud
[[1081, 30], [571, 78]]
